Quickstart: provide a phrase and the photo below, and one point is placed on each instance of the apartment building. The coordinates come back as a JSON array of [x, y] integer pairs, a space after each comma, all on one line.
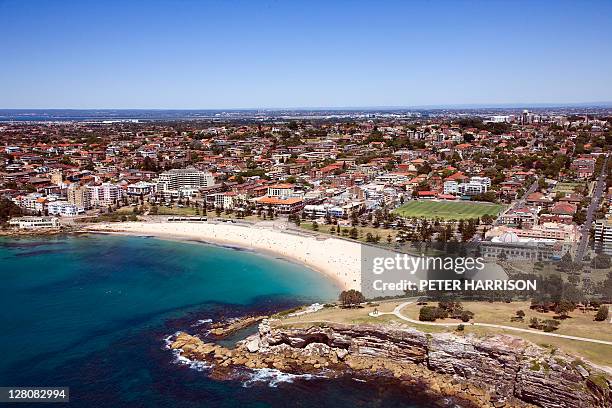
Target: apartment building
[[104, 195], [190, 178], [603, 235], [64, 208], [476, 185]]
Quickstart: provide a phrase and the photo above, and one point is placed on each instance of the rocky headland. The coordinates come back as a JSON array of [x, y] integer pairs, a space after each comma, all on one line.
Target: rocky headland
[[496, 371]]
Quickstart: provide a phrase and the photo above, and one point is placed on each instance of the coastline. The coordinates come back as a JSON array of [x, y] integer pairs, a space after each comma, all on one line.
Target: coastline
[[337, 259]]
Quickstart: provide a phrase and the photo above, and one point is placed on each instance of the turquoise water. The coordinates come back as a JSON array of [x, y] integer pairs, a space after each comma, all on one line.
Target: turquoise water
[[91, 312]]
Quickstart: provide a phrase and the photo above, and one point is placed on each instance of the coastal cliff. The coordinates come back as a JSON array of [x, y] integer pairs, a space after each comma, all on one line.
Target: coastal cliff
[[497, 371]]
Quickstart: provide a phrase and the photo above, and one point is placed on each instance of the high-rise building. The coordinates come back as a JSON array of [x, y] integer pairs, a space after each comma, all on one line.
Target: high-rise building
[[79, 196], [603, 235], [176, 179], [104, 195]]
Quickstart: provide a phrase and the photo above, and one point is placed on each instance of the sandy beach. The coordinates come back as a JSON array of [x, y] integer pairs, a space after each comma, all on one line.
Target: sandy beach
[[336, 258]]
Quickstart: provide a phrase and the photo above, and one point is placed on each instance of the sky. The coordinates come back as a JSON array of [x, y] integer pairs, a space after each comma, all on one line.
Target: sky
[[290, 54]]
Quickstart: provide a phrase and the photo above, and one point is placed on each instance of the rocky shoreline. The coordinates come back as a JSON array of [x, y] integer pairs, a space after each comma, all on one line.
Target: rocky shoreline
[[497, 371], [34, 232]]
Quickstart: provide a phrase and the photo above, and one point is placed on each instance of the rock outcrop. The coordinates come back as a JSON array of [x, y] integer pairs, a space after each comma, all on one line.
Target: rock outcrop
[[496, 371]]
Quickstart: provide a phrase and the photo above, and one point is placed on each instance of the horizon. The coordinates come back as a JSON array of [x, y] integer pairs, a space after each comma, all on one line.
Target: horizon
[[263, 55], [517, 105]]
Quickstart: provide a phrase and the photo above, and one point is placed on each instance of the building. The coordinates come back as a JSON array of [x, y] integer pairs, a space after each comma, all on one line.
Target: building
[[104, 195], [57, 177], [78, 196], [476, 185], [281, 190], [225, 201], [64, 208], [34, 222], [603, 235], [280, 205], [141, 188], [559, 232], [175, 179], [519, 216], [322, 210], [583, 166], [511, 246]]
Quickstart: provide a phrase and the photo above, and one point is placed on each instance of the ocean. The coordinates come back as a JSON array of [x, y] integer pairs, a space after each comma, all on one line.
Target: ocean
[[94, 313]]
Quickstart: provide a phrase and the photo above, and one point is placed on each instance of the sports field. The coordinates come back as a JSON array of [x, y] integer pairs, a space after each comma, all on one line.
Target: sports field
[[447, 210]]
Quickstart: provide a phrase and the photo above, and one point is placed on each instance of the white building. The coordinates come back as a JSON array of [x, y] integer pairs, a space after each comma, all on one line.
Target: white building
[[104, 195], [391, 178], [34, 222], [450, 187], [141, 188], [225, 201], [476, 185], [281, 190], [170, 182], [322, 210], [603, 235], [64, 208]]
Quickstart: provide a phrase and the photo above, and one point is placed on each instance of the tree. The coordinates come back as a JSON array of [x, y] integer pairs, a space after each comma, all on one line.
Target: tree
[[466, 315], [534, 323], [428, 314], [601, 261], [351, 298], [8, 209], [563, 307], [602, 313], [315, 226], [550, 325], [354, 233]]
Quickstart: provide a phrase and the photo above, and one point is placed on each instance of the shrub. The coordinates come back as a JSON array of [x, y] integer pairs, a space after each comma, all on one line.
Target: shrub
[[351, 297], [466, 315], [428, 314], [550, 325], [534, 323], [602, 313]]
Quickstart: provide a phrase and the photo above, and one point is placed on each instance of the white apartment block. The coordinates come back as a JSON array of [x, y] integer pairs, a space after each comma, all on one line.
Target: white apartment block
[[225, 201], [141, 188], [64, 208], [476, 185], [391, 178], [176, 179], [104, 195], [603, 235]]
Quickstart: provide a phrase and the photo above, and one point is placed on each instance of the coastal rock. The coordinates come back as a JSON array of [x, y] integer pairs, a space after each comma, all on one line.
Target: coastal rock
[[221, 330], [253, 344], [495, 371]]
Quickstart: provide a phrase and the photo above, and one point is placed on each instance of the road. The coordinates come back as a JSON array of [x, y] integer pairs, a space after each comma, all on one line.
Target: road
[[397, 312], [521, 202], [596, 199]]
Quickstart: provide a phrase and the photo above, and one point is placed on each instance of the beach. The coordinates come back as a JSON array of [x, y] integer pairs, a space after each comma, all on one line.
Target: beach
[[338, 259]]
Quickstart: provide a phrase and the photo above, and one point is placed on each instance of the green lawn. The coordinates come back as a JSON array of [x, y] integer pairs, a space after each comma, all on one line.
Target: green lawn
[[447, 210]]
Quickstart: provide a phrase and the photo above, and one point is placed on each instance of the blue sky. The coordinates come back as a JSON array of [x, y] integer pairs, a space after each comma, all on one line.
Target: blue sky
[[264, 54]]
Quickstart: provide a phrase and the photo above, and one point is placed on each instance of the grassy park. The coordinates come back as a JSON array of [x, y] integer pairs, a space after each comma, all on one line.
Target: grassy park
[[447, 210], [578, 323]]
